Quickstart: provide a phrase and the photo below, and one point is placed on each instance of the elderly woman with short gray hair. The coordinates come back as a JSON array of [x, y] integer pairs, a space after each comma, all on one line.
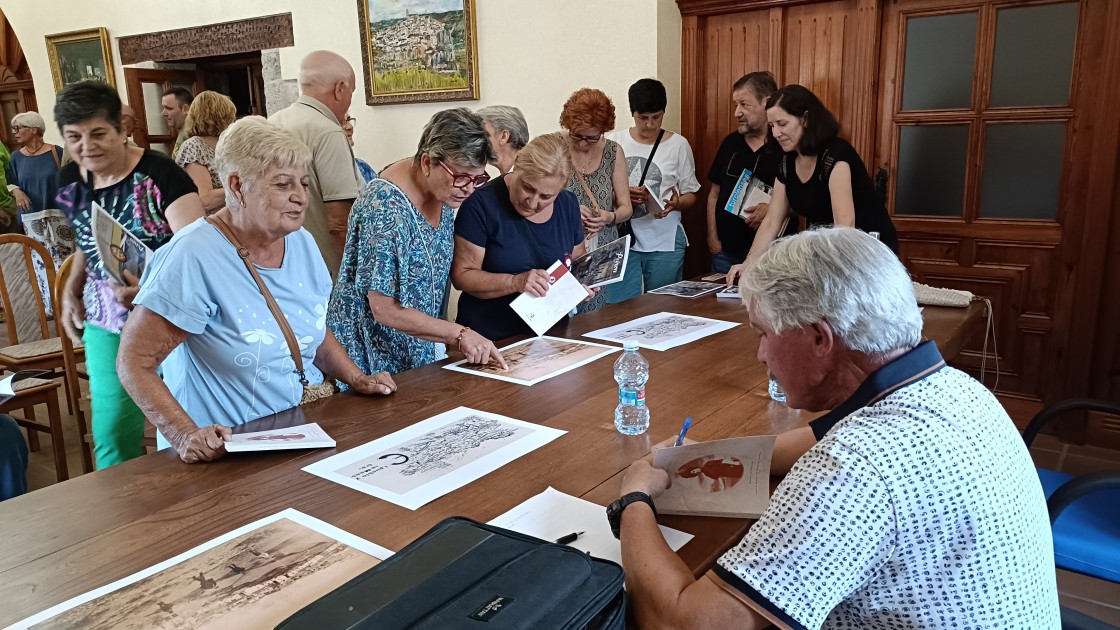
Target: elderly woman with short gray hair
[[213, 301], [508, 133], [385, 308]]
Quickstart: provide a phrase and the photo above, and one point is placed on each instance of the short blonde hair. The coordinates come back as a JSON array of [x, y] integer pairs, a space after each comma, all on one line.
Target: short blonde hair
[[31, 120], [210, 114], [252, 146], [545, 156]]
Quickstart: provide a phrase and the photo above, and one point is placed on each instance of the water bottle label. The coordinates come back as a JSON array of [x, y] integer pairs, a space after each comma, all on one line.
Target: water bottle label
[[632, 397]]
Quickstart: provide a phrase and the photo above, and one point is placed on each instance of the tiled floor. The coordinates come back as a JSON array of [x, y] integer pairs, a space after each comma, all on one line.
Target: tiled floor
[[1091, 596]]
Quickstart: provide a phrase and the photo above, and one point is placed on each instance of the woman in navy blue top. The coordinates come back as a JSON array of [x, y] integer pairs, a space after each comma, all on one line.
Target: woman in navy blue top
[[509, 232]]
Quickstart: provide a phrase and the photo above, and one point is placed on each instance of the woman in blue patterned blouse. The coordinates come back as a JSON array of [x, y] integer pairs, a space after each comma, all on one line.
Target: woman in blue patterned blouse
[[385, 307]]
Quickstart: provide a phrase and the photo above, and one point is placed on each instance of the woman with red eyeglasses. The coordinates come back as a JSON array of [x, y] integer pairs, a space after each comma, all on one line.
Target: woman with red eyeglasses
[[386, 303]]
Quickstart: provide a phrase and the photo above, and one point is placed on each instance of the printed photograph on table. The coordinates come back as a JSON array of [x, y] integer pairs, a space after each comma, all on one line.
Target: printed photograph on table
[[662, 331], [255, 576], [417, 51], [431, 458], [538, 359], [729, 293], [688, 289], [80, 56]]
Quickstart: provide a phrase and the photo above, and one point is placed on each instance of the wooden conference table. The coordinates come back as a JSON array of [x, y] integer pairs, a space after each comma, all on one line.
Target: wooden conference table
[[72, 537]]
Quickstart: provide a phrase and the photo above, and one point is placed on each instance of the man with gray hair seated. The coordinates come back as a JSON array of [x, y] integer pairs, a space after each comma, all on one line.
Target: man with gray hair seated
[[508, 133], [918, 507], [326, 85]]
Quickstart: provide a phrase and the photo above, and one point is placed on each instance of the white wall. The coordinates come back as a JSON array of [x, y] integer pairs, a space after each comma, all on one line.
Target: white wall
[[532, 53]]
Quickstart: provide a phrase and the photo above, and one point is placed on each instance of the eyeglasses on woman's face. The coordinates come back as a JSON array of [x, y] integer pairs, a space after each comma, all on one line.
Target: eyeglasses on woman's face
[[588, 139], [463, 180], [17, 128]]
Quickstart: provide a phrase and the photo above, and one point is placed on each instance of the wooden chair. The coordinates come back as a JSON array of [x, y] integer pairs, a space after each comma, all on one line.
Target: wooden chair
[[32, 345], [71, 356]]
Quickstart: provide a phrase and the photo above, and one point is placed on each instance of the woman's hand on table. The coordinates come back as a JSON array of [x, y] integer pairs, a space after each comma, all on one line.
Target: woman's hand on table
[[203, 445], [534, 282], [480, 351], [369, 384]]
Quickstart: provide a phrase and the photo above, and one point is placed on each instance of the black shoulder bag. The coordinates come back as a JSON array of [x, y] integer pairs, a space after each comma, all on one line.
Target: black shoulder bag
[[640, 210]]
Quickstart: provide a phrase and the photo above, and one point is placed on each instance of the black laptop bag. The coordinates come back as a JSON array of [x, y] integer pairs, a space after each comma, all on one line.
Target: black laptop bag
[[463, 574]]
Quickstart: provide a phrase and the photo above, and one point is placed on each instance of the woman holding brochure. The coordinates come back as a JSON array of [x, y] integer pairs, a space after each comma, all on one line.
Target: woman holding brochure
[[509, 233], [151, 197], [820, 177], [233, 308]]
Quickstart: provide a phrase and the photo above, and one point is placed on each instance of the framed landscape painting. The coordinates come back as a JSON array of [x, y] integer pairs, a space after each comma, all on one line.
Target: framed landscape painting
[[418, 51], [80, 56]]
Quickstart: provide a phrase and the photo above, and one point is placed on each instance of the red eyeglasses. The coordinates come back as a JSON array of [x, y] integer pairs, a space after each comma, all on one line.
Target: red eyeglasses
[[462, 180]]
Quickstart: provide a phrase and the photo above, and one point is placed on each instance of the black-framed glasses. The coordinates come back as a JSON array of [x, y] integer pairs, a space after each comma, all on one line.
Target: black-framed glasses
[[586, 139], [16, 128], [462, 180]]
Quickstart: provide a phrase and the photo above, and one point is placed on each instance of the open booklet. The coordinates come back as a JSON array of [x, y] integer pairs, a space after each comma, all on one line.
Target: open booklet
[[749, 191], [720, 478], [564, 293], [603, 266], [7, 385], [119, 249], [300, 436]]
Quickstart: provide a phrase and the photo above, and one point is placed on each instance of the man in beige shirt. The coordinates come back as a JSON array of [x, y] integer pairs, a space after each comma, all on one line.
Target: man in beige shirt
[[326, 84]]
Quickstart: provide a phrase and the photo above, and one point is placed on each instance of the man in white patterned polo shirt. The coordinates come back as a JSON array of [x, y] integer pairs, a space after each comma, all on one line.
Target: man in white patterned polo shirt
[[918, 507]]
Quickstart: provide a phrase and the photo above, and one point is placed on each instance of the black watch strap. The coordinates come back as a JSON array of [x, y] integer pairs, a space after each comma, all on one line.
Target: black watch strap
[[614, 510]]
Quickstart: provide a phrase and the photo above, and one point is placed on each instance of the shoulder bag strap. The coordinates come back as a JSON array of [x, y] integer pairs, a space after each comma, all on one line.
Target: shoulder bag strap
[[277, 314], [827, 162], [587, 189], [54, 153], [649, 160]]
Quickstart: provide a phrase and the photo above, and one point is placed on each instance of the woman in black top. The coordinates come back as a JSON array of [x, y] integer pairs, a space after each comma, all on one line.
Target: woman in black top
[[820, 177]]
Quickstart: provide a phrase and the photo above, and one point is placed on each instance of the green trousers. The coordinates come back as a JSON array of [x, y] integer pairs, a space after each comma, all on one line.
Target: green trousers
[[118, 424]]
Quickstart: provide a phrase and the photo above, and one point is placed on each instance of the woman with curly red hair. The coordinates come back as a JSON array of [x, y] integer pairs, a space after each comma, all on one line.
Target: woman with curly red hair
[[599, 179]]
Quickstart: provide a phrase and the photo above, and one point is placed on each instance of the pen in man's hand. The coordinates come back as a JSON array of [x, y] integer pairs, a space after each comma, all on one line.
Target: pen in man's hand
[[570, 538], [684, 429]]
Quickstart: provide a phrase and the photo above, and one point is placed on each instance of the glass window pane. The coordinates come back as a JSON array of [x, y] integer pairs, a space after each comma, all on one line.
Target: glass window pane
[[1034, 55], [931, 165], [1022, 170], [153, 109], [940, 51]]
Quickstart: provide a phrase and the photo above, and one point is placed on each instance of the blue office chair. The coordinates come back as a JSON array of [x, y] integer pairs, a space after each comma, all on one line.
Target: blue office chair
[[1084, 511]]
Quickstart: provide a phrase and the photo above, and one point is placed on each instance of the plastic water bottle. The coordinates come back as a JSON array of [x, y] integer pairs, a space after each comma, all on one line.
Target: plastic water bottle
[[776, 391], [631, 371]]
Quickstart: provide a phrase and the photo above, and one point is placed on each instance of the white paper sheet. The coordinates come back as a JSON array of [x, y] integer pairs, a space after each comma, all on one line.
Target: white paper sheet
[[297, 437], [662, 331], [226, 594], [433, 457], [552, 514], [537, 359], [564, 293]]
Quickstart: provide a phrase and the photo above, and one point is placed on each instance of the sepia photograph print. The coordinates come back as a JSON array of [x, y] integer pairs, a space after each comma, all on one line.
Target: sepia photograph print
[[417, 51], [255, 576], [538, 359]]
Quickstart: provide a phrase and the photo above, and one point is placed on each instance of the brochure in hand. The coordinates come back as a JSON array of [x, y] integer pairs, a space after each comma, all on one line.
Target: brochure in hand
[[564, 293], [119, 249], [749, 191], [297, 437], [603, 266], [721, 478]]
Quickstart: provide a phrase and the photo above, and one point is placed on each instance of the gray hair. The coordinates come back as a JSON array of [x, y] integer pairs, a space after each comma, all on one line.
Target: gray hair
[[457, 136], [31, 120], [253, 146], [507, 118], [841, 276]]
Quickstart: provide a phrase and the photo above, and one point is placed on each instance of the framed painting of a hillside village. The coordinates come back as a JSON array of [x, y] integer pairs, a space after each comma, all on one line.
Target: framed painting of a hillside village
[[419, 50]]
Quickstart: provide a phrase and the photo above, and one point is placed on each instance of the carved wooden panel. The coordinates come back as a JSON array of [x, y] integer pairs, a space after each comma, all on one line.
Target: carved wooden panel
[[211, 40]]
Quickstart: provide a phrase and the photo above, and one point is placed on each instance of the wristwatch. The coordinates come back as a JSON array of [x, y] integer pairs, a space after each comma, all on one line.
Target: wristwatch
[[614, 510]]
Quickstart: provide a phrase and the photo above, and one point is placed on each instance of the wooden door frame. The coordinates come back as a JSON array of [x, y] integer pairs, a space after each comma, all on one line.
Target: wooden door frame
[[134, 77]]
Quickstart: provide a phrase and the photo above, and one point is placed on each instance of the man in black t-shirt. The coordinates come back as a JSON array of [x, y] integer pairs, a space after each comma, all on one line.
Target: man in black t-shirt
[[749, 147]]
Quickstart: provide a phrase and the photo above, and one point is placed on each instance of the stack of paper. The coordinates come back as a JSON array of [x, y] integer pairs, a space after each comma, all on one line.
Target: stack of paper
[[301, 436]]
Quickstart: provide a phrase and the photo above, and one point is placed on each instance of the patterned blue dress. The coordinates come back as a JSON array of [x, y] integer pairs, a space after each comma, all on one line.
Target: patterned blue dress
[[391, 249]]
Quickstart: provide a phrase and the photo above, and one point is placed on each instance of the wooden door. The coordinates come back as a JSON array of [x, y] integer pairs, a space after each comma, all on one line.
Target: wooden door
[[977, 119], [145, 88]]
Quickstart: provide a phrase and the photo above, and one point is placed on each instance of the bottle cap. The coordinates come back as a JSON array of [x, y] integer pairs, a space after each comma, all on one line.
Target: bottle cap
[[629, 345]]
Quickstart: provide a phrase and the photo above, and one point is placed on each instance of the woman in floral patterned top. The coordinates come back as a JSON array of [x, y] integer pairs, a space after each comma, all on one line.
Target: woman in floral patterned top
[[385, 308], [152, 198]]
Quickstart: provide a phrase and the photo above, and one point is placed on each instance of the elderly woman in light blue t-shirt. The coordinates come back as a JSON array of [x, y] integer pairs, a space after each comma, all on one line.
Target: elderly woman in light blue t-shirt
[[227, 361]]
